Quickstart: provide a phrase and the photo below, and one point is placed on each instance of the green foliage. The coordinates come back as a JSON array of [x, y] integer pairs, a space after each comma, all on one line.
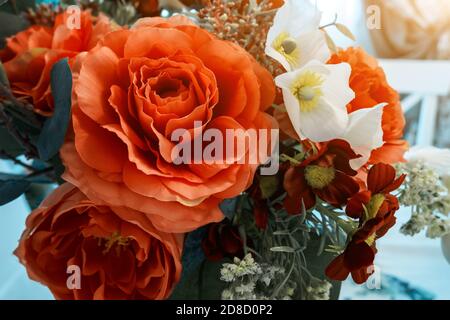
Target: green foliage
[[12, 189], [9, 144], [268, 186], [36, 193], [317, 263], [3, 77], [54, 130], [201, 284], [16, 6], [10, 24]]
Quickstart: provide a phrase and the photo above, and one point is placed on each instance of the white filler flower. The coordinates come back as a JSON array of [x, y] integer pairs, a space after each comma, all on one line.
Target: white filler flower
[[295, 37]]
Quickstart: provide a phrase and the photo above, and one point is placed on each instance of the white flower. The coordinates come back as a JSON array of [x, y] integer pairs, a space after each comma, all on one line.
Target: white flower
[[295, 37], [364, 133], [316, 97], [435, 158]]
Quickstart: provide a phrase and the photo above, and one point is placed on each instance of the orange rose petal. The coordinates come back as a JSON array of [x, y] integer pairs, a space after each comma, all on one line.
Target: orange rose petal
[[165, 42], [116, 41], [116, 194], [99, 148], [119, 101], [97, 75]]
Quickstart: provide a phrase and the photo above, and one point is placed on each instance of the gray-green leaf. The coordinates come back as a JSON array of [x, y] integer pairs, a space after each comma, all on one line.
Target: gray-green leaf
[[55, 128]]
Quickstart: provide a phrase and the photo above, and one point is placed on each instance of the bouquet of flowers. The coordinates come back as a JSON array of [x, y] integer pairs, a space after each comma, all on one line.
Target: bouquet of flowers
[[201, 149]]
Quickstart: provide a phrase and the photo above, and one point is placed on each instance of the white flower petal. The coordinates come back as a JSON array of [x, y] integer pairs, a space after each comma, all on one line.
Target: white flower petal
[[336, 88], [296, 16], [324, 123], [291, 103], [300, 20], [274, 54], [329, 119], [365, 133], [313, 46]]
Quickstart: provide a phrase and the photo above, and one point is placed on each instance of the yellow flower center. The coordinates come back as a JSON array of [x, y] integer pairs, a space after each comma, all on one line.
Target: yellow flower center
[[114, 240], [319, 177], [374, 205], [287, 46], [371, 240], [307, 89]]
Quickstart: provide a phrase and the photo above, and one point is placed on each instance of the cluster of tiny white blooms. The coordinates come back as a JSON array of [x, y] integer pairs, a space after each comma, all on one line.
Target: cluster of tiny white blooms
[[249, 280], [438, 228], [239, 269], [320, 290], [417, 223], [429, 199]]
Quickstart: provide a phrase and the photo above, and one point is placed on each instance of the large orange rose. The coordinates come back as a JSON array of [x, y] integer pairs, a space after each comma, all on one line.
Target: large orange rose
[[139, 86], [371, 88], [30, 55], [119, 252]]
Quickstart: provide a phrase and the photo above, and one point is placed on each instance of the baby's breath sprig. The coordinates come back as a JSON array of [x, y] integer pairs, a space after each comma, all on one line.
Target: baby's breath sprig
[[429, 199]]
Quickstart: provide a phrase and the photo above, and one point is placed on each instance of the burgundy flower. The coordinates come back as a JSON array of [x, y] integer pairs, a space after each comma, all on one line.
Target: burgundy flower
[[222, 241], [326, 174], [375, 208]]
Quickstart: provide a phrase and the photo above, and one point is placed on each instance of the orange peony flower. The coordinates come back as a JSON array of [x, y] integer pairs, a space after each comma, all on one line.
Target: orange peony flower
[[29, 55], [371, 88], [119, 253], [139, 86]]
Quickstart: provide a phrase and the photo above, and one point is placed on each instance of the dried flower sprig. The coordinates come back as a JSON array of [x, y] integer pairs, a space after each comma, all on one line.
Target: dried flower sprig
[[245, 23], [43, 14]]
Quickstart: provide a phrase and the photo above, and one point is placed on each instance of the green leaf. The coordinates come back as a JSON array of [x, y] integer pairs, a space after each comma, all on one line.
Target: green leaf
[[268, 186], [202, 284], [19, 177], [283, 249], [36, 193], [229, 207], [9, 144], [16, 6], [193, 254], [318, 263], [10, 24], [55, 128], [12, 189], [3, 77]]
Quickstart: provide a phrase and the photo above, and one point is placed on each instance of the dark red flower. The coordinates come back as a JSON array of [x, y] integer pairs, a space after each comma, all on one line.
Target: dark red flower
[[261, 214], [375, 208], [260, 207], [222, 241], [326, 174], [381, 180]]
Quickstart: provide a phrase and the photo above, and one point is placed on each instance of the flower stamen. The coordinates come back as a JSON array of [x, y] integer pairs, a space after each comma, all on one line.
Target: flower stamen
[[115, 240], [319, 177], [307, 90], [287, 47]]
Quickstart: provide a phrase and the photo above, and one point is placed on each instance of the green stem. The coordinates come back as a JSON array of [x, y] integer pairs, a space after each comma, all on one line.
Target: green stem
[[346, 226]]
